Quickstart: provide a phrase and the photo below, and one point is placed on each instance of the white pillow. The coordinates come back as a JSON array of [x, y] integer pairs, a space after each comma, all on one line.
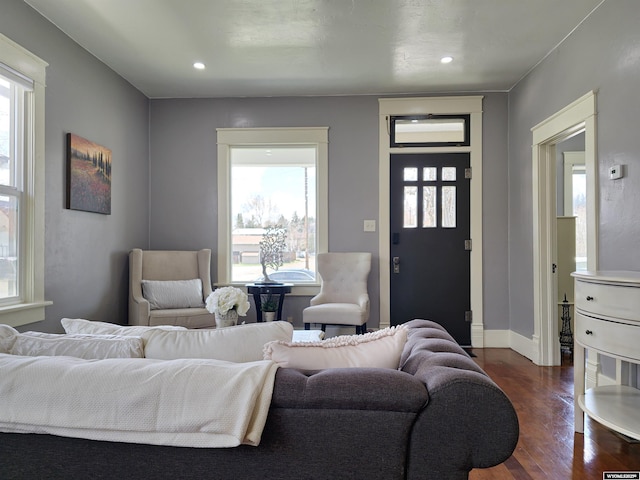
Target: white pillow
[[163, 294], [34, 344], [7, 337], [381, 349], [242, 343], [92, 327]]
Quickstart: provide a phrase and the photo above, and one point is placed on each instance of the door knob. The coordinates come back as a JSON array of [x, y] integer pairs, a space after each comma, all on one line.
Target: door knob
[[396, 264]]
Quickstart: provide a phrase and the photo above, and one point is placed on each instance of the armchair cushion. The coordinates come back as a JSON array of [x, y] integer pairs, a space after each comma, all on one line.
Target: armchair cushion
[[163, 294], [381, 349]]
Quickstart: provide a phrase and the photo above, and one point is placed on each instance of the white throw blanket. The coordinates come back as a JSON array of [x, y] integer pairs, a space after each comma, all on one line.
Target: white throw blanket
[[187, 402]]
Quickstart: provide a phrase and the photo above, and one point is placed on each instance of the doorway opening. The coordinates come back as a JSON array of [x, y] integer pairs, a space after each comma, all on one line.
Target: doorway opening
[[578, 117]]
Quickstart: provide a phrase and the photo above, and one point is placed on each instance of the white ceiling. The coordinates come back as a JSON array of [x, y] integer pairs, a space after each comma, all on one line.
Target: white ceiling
[[317, 47]]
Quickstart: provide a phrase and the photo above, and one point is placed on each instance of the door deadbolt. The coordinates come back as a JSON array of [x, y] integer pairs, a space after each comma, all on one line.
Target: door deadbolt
[[396, 264]]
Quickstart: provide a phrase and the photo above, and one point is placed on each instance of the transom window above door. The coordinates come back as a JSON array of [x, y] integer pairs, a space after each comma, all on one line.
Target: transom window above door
[[430, 130]]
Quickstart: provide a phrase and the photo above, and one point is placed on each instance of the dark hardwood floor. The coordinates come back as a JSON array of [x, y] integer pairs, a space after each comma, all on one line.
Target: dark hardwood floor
[[548, 447]]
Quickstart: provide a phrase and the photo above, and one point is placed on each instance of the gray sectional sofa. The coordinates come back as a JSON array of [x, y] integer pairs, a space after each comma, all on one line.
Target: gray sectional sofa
[[437, 417]]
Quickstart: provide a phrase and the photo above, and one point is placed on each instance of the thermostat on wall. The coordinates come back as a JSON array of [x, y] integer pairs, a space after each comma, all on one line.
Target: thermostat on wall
[[615, 172]]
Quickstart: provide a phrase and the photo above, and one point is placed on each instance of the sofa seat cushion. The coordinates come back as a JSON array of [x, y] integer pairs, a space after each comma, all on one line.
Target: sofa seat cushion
[[242, 343], [185, 402], [381, 349], [186, 317]]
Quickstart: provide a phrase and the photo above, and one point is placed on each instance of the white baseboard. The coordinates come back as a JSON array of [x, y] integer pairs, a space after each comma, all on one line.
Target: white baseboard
[[510, 339], [496, 339]]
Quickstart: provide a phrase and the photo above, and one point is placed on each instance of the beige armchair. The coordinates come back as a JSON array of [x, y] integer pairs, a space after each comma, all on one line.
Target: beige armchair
[[165, 265], [343, 297]]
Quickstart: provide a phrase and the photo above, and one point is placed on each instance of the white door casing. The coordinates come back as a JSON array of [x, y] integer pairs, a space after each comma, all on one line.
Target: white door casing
[[576, 117], [422, 106]]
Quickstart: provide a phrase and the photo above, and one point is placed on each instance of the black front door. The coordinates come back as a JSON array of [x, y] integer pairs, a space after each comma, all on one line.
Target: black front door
[[430, 241]]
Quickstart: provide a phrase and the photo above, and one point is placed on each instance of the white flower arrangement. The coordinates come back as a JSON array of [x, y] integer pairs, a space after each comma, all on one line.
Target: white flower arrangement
[[223, 299]]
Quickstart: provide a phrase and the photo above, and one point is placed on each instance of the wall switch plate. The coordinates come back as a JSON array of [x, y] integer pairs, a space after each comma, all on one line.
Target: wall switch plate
[[616, 172], [369, 225]]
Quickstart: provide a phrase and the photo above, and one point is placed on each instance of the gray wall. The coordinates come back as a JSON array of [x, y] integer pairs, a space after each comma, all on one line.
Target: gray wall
[[184, 181], [86, 253], [602, 54]]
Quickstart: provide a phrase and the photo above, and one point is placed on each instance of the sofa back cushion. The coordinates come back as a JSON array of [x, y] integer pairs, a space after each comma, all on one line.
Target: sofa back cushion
[[89, 347], [7, 337], [381, 349], [242, 343], [93, 327]]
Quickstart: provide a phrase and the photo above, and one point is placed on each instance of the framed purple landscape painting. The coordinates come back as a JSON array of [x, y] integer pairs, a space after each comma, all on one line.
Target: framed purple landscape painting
[[88, 176]]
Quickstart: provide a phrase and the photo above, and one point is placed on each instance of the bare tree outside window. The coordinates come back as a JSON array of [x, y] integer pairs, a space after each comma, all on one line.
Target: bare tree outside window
[[272, 247]]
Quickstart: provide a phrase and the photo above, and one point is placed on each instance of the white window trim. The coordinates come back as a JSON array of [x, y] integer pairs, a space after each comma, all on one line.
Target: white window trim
[[31, 309], [234, 137]]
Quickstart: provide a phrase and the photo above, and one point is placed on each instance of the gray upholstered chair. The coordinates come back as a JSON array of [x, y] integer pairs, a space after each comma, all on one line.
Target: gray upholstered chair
[[343, 297], [167, 265]]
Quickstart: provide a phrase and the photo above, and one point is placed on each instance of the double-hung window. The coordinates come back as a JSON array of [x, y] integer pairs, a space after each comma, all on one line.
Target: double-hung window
[[271, 179], [21, 185]]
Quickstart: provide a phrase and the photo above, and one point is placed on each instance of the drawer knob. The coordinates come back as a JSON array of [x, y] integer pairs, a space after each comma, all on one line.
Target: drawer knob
[[589, 298], [588, 332]]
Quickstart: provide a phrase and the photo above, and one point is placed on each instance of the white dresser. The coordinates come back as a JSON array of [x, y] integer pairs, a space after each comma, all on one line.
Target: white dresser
[[608, 322]]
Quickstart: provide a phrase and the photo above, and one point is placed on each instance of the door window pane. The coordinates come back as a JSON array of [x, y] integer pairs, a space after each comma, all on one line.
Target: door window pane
[[449, 174], [448, 207], [429, 206], [429, 174], [410, 174], [410, 207]]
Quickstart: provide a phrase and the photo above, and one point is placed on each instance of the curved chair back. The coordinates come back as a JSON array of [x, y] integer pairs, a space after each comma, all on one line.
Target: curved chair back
[[344, 275]]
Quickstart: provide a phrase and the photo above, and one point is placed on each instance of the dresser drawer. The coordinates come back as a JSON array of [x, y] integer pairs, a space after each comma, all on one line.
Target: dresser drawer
[[611, 300], [617, 339]]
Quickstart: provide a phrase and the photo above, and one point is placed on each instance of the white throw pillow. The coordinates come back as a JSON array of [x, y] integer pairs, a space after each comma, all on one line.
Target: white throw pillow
[[242, 343], [381, 349], [36, 344], [163, 294], [93, 327], [7, 337]]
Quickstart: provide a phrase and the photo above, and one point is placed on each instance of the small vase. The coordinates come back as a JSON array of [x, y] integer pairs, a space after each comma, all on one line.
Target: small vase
[[229, 319], [269, 316]]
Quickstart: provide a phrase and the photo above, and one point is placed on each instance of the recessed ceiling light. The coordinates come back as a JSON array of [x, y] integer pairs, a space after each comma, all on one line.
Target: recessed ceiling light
[[199, 66], [446, 59]]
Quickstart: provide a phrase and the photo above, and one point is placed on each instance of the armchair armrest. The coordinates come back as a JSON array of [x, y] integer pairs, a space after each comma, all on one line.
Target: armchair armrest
[[319, 299], [138, 311], [363, 301], [138, 306]]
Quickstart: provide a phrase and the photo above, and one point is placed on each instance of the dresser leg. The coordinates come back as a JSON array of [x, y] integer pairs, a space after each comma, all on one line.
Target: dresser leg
[[578, 387]]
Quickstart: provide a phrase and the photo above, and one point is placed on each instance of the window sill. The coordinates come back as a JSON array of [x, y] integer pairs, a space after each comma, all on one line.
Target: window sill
[[23, 313]]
